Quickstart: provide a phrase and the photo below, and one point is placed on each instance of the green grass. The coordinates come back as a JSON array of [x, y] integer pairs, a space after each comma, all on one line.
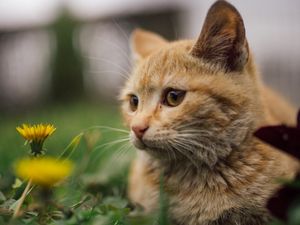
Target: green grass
[[96, 192], [69, 120]]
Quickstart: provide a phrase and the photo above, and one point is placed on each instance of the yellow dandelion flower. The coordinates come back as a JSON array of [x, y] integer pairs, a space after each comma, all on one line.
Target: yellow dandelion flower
[[37, 132], [43, 171], [36, 135]]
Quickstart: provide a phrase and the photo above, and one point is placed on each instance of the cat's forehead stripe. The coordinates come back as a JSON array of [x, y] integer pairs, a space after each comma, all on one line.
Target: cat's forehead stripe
[[149, 81]]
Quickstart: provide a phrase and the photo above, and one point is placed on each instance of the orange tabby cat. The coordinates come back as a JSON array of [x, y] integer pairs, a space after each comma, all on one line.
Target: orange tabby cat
[[192, 107]]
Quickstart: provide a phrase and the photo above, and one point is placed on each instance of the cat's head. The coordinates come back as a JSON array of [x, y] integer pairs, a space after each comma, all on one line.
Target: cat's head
[[192, 100]]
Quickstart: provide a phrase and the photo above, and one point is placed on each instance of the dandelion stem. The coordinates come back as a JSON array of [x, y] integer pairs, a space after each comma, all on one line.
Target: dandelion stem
[[21, 200]]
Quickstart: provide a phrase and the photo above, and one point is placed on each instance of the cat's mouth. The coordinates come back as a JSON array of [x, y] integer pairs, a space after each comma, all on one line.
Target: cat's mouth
[[138, 143], [148, 146], [144, 144]]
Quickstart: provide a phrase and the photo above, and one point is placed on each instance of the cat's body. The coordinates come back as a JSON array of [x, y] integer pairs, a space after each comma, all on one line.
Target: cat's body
[[193, 111]]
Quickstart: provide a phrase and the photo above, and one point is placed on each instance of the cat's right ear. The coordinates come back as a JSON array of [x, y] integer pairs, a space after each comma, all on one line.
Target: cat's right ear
[[223, 39], [144, 42]]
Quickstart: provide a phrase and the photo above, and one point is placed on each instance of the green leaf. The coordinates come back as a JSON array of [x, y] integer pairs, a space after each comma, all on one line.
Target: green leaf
[[139, 219], [68, 151], [19, 190], [115, 202], [13, 206], [277, 222], [2, 197], [18, 183], [31, 213], [8, 203], [294, 213], [163, 204]]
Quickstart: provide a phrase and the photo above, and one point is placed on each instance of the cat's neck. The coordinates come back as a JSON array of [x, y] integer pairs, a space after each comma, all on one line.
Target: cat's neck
[[242, 163]]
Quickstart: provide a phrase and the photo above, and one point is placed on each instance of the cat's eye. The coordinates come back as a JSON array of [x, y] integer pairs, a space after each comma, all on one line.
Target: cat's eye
[[173, 97], [133, 102]]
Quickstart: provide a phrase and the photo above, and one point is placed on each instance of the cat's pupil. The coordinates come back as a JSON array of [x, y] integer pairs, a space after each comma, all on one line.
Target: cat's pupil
[[134, 101], [174, 97]]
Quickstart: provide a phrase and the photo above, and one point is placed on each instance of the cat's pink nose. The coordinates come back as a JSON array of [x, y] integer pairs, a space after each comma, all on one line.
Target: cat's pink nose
[[139, 130]]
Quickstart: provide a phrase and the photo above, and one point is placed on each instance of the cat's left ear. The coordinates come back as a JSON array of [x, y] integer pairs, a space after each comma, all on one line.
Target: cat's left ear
[[144, 42], [223, 40]]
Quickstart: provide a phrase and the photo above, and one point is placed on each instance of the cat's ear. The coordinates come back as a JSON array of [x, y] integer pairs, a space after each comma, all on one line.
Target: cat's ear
[[144, 42], [223, 39]]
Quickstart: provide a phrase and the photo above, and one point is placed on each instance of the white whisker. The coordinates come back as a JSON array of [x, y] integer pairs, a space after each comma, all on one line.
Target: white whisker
[[106, 127], [106, 147], [122, 31], [125, 76], [122, 151], [178, 145], [122, 51], [109, 144], [108, 61]]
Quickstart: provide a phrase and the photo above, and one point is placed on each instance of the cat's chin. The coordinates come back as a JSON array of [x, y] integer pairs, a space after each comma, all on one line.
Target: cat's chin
[[154, 151], [157, 151], [139, 144]]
